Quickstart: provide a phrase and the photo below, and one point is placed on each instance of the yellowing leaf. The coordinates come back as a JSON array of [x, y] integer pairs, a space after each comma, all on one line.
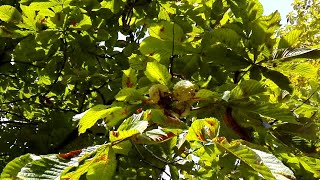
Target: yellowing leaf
[[104, 166], [129, 78], [120, 135], [203, 129]]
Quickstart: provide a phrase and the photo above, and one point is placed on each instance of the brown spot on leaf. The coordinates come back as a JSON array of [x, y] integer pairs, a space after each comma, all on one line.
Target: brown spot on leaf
[[125, 112], [70, 154], [162, 29], [115, 133], [42, 21], [73, 23], [139, 110]]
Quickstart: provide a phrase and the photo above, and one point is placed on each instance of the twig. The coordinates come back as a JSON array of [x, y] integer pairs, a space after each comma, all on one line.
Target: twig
[[143, 160], [306, 99], [23, 99], [172, 53], [19, 122], [157, 157], [22, 62], [6, 75]]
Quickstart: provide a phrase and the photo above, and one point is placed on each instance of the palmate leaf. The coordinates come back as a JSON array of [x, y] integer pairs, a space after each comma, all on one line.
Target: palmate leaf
[[227, 36], [245, 155]]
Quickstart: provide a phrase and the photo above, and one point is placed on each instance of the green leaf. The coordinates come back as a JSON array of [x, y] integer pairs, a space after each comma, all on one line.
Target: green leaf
[[12, 169], [156, 116], [130, 127], [138, 62], [277, 77], [111, 114], [247, 88], [42, 5], [157, 72], [310, 164], [136, 121], [277, 168], [92, 116], [161, 50], [245, 155], [272, 110], [113, 5], [167, 31], [84, 24], [227, 36], [203, 129], [9, 14], [129, 94], [154, 136], [205, 94], [248, 10], [290, 39], [122, 148]]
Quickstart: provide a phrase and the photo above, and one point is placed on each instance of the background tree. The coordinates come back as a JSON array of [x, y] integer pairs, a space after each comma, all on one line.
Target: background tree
[[207, 93]]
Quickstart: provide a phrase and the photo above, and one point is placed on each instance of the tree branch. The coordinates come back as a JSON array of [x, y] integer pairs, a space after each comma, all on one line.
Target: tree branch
[[305, 101]]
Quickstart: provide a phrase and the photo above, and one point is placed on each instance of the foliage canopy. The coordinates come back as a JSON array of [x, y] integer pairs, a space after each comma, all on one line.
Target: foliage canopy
[[208, 89]]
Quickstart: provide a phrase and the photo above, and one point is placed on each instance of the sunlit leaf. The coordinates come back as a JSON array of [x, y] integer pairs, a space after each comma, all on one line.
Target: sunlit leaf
[[13, 167], [104, 166], [157, 72], [9, 14], [129, 78], [203, 129], [245, 155]]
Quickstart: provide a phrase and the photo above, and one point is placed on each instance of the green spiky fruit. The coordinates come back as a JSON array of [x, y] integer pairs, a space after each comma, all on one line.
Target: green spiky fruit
[[184, 90], [157, 91]]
